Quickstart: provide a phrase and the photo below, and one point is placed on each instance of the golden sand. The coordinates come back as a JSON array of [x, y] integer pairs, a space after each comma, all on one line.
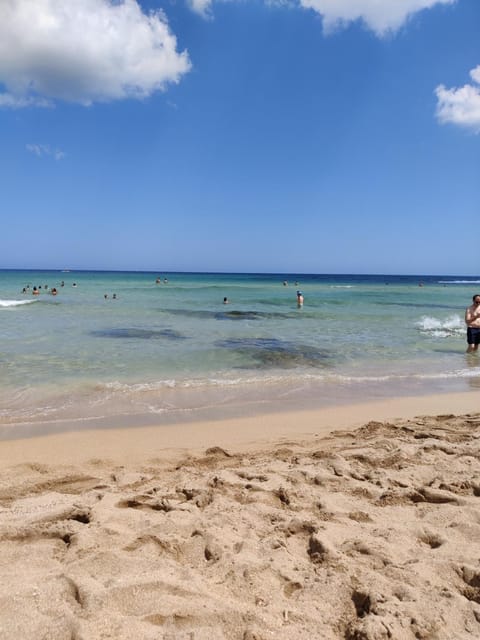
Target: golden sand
[[359, 523]]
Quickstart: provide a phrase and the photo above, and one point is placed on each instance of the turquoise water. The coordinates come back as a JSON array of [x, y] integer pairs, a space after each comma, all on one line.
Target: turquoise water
[[168, 349]]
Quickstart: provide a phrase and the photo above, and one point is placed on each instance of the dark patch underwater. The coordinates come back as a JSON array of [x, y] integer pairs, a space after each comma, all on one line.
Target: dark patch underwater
[[270, 353], [142, 334], [419, 305], [230, 314]]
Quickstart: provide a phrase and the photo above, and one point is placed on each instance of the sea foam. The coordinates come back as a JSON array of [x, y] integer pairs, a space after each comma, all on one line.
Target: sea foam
[[14, 303], [459, 282], [451, 326]]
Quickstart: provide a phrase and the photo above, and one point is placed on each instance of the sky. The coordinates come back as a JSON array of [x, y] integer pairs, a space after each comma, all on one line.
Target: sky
[[281, 136]]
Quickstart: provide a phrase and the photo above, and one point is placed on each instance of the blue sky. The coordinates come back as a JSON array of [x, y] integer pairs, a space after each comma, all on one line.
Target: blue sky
[[306, 136]]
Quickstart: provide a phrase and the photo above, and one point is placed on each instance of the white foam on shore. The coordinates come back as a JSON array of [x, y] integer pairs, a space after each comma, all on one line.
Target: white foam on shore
[[164, 396], [109, 390]]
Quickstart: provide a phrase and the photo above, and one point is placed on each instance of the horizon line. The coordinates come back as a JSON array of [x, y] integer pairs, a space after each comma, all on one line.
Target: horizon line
[[269, 273]]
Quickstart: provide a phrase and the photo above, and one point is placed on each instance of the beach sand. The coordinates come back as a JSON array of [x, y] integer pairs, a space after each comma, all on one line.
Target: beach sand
[[359, 523]]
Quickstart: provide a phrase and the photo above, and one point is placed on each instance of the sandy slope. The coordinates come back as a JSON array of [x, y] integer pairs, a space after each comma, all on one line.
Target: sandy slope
[[365, 534]]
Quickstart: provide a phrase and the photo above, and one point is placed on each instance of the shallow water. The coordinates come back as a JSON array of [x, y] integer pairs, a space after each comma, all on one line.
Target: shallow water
[[172, 350]]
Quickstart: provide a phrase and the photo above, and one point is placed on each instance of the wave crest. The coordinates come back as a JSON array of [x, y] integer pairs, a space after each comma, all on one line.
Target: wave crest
[[6, 304], [451, 326], [459, 282]]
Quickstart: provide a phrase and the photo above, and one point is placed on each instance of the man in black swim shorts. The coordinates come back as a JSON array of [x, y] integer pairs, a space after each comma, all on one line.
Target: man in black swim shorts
[[472, 320]]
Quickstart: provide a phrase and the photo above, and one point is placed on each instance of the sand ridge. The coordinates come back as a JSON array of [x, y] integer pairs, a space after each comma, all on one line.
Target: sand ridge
[[361, 535]]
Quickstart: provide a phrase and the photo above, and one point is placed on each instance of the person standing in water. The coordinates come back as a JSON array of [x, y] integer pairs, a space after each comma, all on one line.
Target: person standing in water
[[299, 299], [472, 320]]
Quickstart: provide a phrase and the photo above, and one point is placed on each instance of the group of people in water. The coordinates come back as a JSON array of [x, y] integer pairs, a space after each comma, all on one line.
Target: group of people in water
[[53, 291], [472, 313], [300, 299], [36, 289]]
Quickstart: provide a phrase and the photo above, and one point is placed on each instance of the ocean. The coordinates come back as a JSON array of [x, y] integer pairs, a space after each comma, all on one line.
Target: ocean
[[166, 348]]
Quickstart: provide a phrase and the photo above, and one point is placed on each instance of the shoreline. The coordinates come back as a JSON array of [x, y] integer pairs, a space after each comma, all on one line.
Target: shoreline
[[133, 443]]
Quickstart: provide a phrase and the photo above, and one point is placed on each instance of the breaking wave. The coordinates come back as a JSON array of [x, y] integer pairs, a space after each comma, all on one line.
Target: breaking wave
[[6, 304], [459, 282], [451, 326]]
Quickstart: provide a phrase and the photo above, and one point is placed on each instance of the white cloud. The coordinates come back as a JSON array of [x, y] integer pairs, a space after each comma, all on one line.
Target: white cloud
[[16, 102], [381, 16], [202, 7], [475, 74], [44, 150], [84, 51], [461, 106]]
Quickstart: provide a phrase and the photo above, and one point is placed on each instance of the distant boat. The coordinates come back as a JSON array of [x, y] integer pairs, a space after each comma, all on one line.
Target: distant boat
[[65, 271]]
